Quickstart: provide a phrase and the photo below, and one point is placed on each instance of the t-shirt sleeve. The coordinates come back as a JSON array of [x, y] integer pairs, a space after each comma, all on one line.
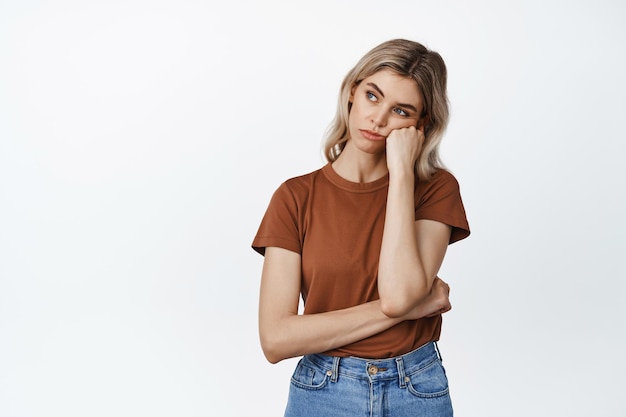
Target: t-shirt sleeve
[[440, 199], [279, 226]]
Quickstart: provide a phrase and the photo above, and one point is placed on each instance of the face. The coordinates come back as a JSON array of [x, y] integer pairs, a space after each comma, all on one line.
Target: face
[[381, 103]]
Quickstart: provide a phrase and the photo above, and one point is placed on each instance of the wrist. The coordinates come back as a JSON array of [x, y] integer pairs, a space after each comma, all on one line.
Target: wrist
[[404, 174]]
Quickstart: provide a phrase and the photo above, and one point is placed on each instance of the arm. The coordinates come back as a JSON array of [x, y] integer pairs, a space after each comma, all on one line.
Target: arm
[[412, 251], [286, 334]]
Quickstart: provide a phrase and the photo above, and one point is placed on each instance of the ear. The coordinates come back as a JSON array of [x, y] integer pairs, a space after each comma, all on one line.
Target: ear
[[352, 90]]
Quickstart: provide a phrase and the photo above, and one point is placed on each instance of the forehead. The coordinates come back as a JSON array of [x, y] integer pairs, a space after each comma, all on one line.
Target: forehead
[[395, 87]]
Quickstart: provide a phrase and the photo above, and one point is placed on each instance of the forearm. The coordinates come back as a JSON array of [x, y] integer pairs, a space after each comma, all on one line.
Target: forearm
[[296, 335], [402, 281]]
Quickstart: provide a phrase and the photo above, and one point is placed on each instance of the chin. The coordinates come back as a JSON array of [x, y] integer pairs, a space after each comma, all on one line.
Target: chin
[[372, 148]]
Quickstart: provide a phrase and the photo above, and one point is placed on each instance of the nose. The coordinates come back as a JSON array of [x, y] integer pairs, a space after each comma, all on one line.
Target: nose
[[379, 117]]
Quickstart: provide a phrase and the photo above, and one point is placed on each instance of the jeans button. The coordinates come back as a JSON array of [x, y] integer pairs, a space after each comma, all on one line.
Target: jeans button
[[373, 370]]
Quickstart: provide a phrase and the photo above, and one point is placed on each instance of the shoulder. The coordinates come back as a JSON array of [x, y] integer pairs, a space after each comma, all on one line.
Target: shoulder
[[442, 176], [301, 184], [296, 189], [442, 181], [303, 180], [439, 198]]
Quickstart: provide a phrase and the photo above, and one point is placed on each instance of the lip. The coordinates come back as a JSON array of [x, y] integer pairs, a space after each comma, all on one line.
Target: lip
[[368, 134]]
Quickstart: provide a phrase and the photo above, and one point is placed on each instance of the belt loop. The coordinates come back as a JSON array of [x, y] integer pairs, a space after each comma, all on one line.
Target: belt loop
[[401, 374], [335, 371], [438, 352]]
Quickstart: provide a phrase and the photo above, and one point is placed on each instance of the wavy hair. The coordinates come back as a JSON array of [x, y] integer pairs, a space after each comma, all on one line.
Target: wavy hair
[[408, 59]]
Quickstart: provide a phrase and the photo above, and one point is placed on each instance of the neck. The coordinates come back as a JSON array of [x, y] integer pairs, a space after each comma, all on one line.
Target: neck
[[357, 166]]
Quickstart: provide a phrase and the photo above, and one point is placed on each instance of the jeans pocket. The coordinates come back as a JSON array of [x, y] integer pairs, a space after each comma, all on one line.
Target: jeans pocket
[[308, 376], [428, 382]]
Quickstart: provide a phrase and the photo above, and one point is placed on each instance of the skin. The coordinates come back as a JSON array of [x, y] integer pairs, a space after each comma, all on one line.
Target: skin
[[386, 136]]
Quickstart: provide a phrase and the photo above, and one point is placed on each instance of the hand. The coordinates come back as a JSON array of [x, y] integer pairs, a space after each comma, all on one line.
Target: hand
[[441, 297], [403, 148], [437, 302]]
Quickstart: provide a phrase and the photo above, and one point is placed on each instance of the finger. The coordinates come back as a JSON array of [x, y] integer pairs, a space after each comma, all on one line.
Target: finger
[[440, 311], [422, 123]]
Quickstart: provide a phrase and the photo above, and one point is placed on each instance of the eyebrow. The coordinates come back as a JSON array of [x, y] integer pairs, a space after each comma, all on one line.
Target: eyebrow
[[406, 106]]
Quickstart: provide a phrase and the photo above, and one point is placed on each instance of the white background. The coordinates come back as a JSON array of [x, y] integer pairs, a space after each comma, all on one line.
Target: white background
[[140, 142]]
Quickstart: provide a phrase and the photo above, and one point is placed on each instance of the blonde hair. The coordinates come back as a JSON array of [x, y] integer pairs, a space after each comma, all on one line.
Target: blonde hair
[[409, 59]]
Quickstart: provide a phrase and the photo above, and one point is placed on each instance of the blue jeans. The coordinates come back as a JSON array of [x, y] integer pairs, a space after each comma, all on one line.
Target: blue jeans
[[413, 385]]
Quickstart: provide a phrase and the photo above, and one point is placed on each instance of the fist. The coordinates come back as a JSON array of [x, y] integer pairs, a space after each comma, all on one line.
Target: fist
[[403, 148], [439, 298]]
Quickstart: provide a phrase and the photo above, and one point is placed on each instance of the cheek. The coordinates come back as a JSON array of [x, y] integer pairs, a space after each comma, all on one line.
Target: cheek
[[402, 123], [357, 112]]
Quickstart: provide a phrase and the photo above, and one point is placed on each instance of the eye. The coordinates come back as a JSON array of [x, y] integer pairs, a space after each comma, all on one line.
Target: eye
[[371, 96], [400, 112]]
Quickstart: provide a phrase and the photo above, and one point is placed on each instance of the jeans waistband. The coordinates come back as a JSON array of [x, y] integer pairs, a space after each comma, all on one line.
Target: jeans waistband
[[377, 369]]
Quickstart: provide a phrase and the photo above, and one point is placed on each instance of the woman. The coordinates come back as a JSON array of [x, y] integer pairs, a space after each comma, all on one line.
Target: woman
[[361, 240]]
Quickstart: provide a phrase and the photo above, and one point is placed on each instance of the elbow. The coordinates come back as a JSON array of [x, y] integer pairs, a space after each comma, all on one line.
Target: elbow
[[276, 338], [271, 349], [271, 357], [400, 305], [394, 308]]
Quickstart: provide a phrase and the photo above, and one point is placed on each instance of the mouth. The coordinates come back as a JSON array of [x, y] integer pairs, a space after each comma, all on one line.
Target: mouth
[[368, 134]]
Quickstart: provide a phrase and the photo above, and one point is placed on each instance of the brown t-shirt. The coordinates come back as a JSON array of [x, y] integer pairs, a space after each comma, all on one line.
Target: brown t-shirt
[[337, 227]]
